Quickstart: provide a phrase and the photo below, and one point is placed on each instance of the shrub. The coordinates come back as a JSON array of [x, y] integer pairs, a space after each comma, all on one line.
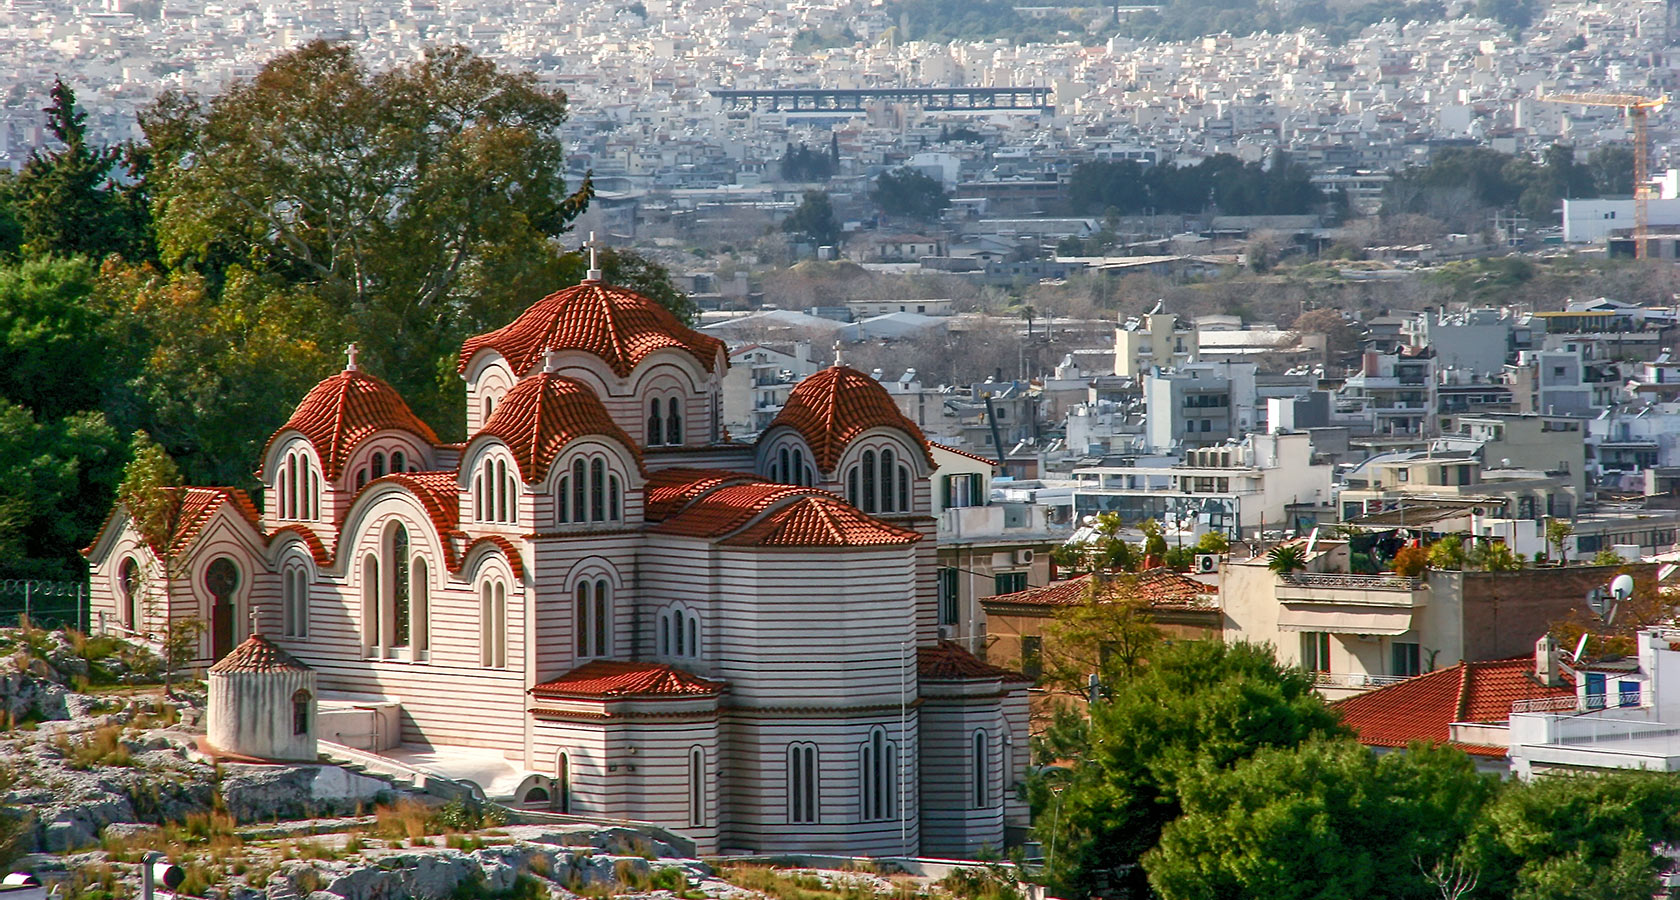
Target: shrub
[[1411, 561], [104, 747]]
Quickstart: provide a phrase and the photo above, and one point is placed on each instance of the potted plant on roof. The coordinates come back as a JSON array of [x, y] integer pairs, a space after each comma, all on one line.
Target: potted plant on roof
[[1285, 559]]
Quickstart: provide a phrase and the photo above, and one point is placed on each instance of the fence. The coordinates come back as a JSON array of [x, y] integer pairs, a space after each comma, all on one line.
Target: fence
[[50, 604]]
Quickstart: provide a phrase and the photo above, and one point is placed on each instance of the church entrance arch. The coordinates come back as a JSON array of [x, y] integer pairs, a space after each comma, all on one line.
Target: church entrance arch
[[221, 579]]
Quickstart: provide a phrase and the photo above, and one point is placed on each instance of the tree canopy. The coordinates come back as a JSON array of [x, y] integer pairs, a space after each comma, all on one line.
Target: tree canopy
[[1279, 187], [814, 220], [910, 193]]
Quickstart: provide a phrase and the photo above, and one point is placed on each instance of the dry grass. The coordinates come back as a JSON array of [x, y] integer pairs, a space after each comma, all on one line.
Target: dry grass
[[103, 747], [407, 819]]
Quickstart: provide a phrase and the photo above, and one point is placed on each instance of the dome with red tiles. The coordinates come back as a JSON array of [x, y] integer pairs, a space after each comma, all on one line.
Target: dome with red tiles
[[343, 410], [839, 403], [544, 413], [616, 324]]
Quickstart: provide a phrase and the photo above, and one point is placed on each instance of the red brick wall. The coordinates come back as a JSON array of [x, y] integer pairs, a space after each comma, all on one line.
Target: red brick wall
[[1506, 612]]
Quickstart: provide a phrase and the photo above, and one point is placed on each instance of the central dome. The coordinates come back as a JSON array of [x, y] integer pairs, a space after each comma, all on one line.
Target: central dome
[[543, 414], [837, 404], [342, 410], [616, 324]]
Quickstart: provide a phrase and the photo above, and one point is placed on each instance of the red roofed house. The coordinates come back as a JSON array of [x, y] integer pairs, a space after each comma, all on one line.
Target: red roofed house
[[733, 641]]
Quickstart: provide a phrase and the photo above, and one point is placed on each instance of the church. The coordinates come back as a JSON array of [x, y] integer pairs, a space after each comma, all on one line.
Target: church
[[737, 642]]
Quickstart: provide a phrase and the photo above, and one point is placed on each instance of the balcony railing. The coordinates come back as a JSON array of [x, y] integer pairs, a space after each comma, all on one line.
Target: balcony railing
[[1354, 680], [1545, 705], [1351, 582]]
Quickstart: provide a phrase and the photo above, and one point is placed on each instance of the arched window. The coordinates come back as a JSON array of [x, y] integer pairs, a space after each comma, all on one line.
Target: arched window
[[696, 787], [398, 464], [496, 492], [361, 478], [492, 624], [597, 490], [300, 712], [489, 407], [563, 500], [656, 424], [297, 488], [294, 602], [579, 502], [804, 785], [128, 591], [903, 488], [887, 495], [878, 766], [981, 772], [679, 633], [371, 640], [378, 465], [501, 491], [615, 506], [852, 495], [801, 475], [591, 492], [673, 423], [563, 782], [401, 593], [422, 600], [782, 470], [868, 481], [593, 618]]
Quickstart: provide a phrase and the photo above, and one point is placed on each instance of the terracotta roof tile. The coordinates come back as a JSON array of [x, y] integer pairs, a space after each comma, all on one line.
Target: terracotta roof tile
[[616, 324], [341, 411], [821, 521], [949, 661], [515, 561], [257, 654], [438, 492], [607, 679], [1424, 708], [728, 509], [837, 404], [317, 550], [544, 413], [668, 491], [960, 452], [199, 506]]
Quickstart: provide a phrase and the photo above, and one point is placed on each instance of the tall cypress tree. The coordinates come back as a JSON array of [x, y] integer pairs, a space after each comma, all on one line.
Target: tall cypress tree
[[67, 200]]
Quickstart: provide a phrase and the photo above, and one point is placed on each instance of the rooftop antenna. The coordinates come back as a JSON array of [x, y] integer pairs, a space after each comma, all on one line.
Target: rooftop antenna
[[594, 273], [350, 357]]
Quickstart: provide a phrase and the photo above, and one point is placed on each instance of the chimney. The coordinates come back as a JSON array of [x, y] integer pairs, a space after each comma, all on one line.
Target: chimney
[[1372, 364], [1547, 668]]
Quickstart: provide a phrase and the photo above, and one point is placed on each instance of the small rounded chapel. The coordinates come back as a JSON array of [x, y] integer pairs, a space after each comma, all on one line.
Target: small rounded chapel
[[262, 704]]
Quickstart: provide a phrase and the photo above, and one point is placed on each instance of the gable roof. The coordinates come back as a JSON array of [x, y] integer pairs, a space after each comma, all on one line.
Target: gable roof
[[1424, 708], [616, 324], [780, 515], [608, 679], [949, 661], [668, 491], [837, 404], [1159, 587], [344, 409], [544, 413]]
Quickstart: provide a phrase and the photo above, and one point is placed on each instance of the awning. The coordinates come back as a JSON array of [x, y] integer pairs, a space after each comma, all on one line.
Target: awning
[[1343, 619]]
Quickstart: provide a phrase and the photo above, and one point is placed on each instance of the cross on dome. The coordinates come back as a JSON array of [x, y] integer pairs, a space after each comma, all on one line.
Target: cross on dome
[[350, 357], [837, 353], [594, 273]]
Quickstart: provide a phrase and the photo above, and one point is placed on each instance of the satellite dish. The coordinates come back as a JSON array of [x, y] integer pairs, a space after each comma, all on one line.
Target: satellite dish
[[1597, 601], [1621, 587]]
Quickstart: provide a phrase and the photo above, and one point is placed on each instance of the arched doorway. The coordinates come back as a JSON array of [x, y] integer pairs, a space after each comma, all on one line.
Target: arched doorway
[[563, 784], [221, 579]]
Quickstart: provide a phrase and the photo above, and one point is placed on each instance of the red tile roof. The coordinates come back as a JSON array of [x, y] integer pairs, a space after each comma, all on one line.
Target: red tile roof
[[438, 492], [317, 550], [341, 411], [667, 491], [948, 661], [199, 506], [544, 413], [256, 654], [1424, 708], [837, 404], [728, 508], [821, 521], [1158, 587], [618, 325], [607, 679], [975, 456], [515, 561]]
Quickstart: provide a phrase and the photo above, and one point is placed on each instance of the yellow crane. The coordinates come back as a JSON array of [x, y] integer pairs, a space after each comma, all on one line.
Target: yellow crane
[[1637, 108]]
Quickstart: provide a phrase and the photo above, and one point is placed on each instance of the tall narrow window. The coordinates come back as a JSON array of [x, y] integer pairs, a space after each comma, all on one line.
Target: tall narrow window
[[903, 488], [800, 476], [128, 587], [280, 491], [581, 619], [578, 502], [696, 787], [887, 468], [300, 712], [371, 637], [501, 491], [981, 772], [422, 601], [563, 782], [603, 620], [400, 587], [597, 490], [852, 496], [492, 624], [878, 762], [378, 465], [948, 596], [656, 424], [664, 635], [804, 785], [398, 463], [868, 481], [673, 423], [510, 484], [615, 506], [677, 630], [294, 602], [784, 467]]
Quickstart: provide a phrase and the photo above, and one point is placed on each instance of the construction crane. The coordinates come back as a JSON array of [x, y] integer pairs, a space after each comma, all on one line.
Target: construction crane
[[1637, 108]]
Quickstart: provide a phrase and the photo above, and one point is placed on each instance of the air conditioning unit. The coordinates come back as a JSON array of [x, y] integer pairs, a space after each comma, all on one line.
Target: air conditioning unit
[[944, 632], [1208, 563], [1022, 557]]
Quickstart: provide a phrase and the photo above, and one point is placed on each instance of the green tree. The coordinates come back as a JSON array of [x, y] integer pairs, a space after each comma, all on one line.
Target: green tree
[[1557, 534], [1286, 558], [1612, 170], [1197, 706], [1579, 836], [59, 352], [814, 220], [391, 194], [1108, 633], [909, 193], [1447, 553], [59, 475], [66, 200], [1323, 821]]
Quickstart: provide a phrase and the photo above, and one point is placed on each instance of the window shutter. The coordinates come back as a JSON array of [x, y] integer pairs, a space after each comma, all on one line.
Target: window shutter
[[950, 490]]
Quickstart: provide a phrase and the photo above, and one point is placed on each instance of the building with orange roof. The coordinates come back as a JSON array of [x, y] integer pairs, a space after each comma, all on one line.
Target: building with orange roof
[[740, 642]]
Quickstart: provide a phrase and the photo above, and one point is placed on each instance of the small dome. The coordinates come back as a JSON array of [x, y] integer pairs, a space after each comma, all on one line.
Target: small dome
[[616, 324], [257, 654], [544, 413], [839, 403], [341, 411]]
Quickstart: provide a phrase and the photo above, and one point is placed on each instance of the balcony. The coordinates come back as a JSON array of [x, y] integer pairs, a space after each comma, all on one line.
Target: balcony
[[969, 523], [1357, 681], [1367, 590]]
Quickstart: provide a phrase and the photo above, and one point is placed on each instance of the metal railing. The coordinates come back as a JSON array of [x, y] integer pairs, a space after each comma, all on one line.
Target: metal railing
[[1545, 705], [1355, 679], [1351, 582]]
